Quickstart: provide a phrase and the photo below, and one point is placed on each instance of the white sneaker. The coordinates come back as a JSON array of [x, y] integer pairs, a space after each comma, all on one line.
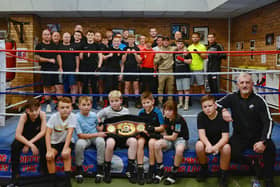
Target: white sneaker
[[180, 105], [186, 107]]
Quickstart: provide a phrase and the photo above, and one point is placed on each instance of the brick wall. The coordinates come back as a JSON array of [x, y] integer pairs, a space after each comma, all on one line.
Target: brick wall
[[141, 25], [267, 20]]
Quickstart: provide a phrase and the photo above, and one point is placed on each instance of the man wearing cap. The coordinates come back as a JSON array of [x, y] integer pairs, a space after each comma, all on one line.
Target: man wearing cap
[[164, 62]]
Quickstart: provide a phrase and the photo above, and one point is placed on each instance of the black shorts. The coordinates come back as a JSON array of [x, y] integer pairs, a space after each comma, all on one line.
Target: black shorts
[[59, 147], [120, 140], [49, 79], [131, 77]]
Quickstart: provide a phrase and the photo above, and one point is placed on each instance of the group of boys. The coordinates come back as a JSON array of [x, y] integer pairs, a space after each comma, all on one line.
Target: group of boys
[[161, 133], [131, 62]]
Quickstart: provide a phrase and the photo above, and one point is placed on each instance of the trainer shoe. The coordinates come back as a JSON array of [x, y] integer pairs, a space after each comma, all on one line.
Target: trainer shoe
[[171, 179], [132, 178], [150, 177], [268, 183], [159, 176], [79, 178], [140, 176], [100, 174], [107, 175], [202, 175], [256, 183], [223, 182]]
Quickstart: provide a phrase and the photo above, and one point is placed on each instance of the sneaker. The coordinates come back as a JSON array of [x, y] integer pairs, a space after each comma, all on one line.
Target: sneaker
[[186, 107], [159, 176], [180, 105], [223, 182], [107, 174], [202, 175], [131, 177], [268, 183], [256, 183], [170, 179], [140, 176], [100, 174], [150, 177], [79, 178]]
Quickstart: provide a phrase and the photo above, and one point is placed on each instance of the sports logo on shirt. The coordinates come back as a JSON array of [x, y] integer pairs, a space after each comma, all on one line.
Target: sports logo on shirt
[[178, 127], [251, 106], [60, 127]]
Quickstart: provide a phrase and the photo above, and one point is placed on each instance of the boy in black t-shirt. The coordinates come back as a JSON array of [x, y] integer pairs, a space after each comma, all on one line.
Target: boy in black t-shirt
[[213, 138], [69, 62], [90, 62], [130, 64], [112, 63], [181, 65], [78, 45], [176, 136]]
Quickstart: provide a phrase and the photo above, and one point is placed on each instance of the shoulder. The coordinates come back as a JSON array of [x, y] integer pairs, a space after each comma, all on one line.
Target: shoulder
[[180, 119], [92, 114], [201, 115], [157, 110], [141, 111]]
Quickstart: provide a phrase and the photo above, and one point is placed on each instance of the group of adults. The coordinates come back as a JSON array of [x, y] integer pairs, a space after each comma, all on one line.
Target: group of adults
[[151, 61]]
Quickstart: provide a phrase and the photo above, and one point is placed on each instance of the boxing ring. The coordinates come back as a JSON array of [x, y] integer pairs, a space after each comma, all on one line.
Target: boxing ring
[[30, 164]]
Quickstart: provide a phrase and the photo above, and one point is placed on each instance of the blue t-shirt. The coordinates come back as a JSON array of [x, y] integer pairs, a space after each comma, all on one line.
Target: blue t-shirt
[[86, 124], [155, 117]]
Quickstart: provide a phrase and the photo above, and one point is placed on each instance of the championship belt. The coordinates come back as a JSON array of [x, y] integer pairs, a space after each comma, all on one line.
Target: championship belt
[[124, 126]]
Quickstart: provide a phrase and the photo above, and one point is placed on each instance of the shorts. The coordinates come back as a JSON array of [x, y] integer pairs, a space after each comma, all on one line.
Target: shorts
[[173, 144], [183, 84], [69, 80], [120, 140], [49, 79], [59, 147], [198, 79], [131, 77]]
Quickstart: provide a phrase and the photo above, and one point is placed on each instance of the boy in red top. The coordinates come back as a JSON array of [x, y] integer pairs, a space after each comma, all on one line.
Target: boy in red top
[[147, 66]]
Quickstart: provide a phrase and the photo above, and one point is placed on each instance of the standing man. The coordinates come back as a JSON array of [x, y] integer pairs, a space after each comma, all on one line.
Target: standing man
[[164, 62], [48, 63], [214, 63], [153, 34], [252, 128], [197, 61]]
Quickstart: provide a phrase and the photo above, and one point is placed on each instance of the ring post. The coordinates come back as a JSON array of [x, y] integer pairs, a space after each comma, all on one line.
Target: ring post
[[2, 82]]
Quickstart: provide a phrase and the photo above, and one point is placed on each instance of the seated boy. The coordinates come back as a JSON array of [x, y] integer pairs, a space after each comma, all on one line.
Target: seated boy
[[60, 128], [30, 134], [213, 138], [88, 133], [177, 135], [154, 126], [115, 109]]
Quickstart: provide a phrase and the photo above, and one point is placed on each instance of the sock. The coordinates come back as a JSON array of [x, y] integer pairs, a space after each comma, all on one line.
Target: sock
[[52, 178], [79, 169], [204, 167], [130, 166], [68, 178], [174, 169], [140, 168], [159, 166], [152, 168]]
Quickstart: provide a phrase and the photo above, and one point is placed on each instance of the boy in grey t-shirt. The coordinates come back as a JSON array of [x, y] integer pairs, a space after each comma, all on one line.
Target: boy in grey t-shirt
[[115, 109], [60, 128]]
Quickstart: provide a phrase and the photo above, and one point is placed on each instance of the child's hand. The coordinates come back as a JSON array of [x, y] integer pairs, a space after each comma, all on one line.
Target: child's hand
[[25, 149], [34, 149], [209, 149], [66, 153], [50, 154], [101, 134]]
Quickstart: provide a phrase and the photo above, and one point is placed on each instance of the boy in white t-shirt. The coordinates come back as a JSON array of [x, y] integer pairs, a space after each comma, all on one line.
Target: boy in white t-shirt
[[60, 128]]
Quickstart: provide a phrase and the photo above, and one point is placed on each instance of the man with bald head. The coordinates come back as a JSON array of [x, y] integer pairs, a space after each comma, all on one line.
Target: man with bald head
[[252, 127], [48, 63], [69, 62]]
